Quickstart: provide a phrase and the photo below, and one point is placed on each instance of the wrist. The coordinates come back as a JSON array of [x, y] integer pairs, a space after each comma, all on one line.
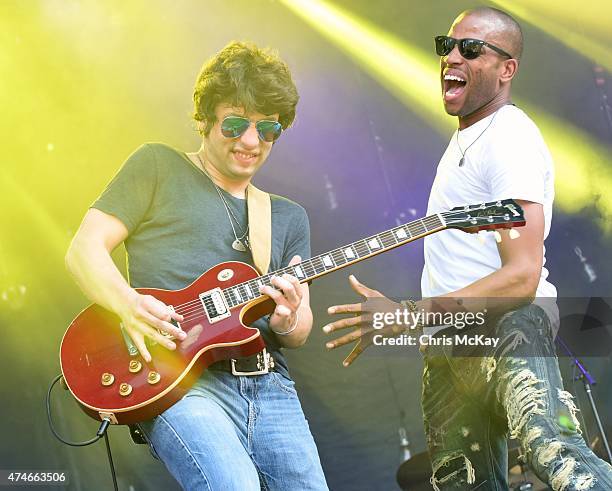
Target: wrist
[[292, 327], [416, 313]]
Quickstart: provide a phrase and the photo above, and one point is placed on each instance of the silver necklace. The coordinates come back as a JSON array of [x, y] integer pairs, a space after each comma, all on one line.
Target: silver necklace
[[463, 152], [240, 243]]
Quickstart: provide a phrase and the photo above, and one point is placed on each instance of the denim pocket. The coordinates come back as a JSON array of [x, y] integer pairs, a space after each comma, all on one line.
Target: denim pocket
[[283, 383]]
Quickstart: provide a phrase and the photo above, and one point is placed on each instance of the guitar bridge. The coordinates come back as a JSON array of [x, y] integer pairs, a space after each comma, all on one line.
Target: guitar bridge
[[215, 305]]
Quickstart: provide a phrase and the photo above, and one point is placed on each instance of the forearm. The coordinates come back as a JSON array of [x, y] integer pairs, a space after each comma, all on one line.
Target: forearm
[[96, 274], [505, 289]]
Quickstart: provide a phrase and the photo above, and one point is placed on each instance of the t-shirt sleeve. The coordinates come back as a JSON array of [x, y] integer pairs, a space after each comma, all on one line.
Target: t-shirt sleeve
[[517, 168], [130, 193], [298, 238]]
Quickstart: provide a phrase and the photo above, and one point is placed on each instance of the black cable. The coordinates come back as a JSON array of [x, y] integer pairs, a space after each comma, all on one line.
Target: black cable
[[110, 460], [99, 434], [101, 431]]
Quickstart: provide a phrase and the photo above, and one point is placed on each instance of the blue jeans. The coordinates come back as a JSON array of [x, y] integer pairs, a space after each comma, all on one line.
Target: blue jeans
[[238, 433], [471, 405]]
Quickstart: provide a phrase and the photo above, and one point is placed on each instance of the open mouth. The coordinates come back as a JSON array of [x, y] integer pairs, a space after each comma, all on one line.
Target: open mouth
[[454, 86], [244, 157]]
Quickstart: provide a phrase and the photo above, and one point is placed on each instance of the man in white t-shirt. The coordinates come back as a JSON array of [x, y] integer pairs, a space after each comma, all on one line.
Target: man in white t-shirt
[[472, 404]]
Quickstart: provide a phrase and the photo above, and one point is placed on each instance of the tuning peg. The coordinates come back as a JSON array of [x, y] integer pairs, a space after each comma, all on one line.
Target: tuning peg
[[514, 233], [498, 237]]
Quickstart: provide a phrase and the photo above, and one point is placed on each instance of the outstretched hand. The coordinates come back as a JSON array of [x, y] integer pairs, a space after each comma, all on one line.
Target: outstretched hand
[[361, 321]]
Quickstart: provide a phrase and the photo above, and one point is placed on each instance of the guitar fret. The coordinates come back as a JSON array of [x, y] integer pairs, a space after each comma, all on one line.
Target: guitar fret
[[387, 239], [309, 268], [338, 257], [238, 294], [401, 233], [318, 265], [374, 243], [349, 252], [362, 248], [328, 262], [416, 228]]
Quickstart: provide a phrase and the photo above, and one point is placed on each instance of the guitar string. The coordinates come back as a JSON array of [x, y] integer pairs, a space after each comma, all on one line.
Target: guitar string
[[194, 306], [197, 303]]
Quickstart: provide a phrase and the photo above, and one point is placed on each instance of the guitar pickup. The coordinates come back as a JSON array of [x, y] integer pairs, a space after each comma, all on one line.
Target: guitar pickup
[[215, 305]]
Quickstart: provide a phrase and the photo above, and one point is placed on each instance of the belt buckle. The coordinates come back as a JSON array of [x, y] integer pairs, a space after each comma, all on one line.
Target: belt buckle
[[264, 363]]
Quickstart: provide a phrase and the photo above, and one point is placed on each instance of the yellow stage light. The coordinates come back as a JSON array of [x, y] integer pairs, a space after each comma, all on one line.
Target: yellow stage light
[[585, 30]]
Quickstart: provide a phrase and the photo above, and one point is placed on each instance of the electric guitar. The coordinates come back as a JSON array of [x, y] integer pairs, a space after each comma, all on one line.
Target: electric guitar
[[106, 374]]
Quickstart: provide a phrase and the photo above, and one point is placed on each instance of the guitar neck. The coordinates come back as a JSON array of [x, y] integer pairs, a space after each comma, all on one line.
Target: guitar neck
[[339, 258]]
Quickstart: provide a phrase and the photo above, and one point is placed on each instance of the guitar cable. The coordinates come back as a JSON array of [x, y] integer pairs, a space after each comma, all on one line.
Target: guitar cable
[[102, 432]]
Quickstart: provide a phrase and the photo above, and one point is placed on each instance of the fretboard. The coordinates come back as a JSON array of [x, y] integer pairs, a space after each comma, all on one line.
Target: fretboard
[[339, 258]]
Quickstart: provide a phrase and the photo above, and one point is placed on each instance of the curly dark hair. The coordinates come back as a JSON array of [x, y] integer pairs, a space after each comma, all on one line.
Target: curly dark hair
[[243, 75]]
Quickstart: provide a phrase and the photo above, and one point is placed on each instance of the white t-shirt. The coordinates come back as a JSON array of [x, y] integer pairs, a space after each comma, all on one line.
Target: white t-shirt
[[508, 160]]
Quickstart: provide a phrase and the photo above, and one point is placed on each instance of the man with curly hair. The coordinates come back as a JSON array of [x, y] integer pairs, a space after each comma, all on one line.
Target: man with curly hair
[[179, 214]]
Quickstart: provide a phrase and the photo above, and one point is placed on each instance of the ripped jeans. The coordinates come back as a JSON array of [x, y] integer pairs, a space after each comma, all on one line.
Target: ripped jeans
[[471, 405]]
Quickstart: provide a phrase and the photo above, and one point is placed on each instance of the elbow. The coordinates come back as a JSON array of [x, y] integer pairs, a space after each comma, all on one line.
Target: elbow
[[73, 255], [69, 258], [525, 282]]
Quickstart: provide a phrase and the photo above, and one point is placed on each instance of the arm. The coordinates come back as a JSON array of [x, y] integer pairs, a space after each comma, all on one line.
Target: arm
[[89, 261], [515, 281]]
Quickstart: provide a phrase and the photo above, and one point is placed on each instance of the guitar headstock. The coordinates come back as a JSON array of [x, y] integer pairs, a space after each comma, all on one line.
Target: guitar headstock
[[486, 216]]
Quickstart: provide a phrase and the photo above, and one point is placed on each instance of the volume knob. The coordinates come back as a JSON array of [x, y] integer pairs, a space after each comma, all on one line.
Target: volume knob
[[107, 379], [125, 389]]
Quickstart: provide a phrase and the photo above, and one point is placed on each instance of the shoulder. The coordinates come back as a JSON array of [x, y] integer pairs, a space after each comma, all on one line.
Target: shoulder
[[285, 206], [159, 151], [155, 156], [518, 123]]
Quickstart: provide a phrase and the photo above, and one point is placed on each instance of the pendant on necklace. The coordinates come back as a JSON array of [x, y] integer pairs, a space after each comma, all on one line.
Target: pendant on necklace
[[462, 161], [237, 245]]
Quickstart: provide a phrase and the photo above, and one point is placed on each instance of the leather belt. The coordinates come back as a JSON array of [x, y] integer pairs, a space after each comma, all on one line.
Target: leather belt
[[257, 364]]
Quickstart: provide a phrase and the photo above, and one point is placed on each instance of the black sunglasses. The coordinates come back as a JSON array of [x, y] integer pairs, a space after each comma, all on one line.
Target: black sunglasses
[[235, 126], [469, 48]]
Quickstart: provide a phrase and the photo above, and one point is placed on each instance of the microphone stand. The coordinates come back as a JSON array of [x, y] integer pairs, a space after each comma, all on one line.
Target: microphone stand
[[588, 381]]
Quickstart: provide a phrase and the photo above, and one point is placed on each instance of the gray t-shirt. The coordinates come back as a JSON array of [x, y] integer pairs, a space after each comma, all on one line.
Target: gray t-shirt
[[178, 227]]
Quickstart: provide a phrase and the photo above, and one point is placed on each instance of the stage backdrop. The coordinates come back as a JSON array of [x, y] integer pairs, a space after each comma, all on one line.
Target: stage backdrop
[[84, 83]]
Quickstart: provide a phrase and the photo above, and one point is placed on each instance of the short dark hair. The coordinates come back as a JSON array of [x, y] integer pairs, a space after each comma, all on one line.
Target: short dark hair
[[246, 76], [512, 29]]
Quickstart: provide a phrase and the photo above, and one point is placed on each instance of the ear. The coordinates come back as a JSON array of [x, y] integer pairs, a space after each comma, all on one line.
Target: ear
[[200, 126], [510, 67]]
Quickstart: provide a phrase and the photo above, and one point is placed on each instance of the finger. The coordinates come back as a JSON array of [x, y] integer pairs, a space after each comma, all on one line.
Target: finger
[[361, 289], [295, 260], [273, 293], [355, 335], [176, 316], [164, 326], [355, 352], [350, 308], [282, 311], [289, 290], [343, 324], [295, 282], [155, 335], [138, 339], [156, 307]]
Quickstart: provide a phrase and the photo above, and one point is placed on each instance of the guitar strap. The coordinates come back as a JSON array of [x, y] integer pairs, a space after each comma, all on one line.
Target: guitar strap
[[260, 227]]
